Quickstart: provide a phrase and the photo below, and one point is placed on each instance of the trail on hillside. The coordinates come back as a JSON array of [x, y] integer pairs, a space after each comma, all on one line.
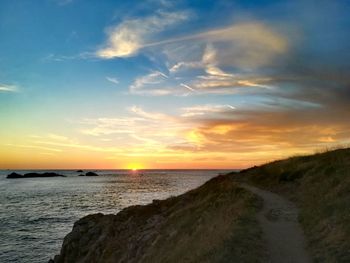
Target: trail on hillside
[[282, 232]]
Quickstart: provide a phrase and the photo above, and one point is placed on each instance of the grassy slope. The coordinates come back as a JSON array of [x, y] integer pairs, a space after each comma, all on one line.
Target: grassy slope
[[213, 223], [320, 185]]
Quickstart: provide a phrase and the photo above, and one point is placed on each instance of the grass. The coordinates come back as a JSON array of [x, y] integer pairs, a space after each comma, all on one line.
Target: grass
[[320, 185], [213, 223]]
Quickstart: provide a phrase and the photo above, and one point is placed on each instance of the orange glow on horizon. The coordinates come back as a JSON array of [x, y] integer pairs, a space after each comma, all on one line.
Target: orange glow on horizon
[[135, 166], [216, 146]]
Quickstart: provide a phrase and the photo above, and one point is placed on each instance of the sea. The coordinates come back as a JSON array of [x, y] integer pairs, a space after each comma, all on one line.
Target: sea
[[37, 213]]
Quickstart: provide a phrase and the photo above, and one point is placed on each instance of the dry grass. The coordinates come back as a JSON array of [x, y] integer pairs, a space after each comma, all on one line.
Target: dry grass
[[320, 185], [216, 224], [213, 223]]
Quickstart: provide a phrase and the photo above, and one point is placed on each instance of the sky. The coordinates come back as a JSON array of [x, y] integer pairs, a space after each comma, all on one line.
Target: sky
[[171, 84]]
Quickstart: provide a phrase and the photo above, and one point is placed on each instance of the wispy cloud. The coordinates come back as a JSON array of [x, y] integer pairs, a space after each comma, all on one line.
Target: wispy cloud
[[8, 88], [148, 84], [211, 80], [250, 43], [259, 134], [35, 147], [60, 58], [113, 80], [62, 143], [200, 110], [240, 46], [153, 128], [128, 37], [187, 87], [153, 116]]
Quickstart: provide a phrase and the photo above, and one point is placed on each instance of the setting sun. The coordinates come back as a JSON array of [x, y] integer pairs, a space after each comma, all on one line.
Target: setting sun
[[109, 107], [135, 166]]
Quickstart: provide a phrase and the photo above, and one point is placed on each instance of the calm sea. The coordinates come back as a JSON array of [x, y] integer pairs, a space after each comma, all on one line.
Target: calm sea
[[36, 213]]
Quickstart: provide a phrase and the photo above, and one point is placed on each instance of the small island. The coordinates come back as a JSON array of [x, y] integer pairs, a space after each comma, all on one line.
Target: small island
[[33, 175], [89, 174]]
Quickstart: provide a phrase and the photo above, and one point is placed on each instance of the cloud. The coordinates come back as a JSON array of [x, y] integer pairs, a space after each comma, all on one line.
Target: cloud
[[251, 43], [113, 80], [245, 44], [228, 84], [185, 65], [152, 116], [187, 87], [8, 88], [62, 143], [243, 133], [260, 134], [151, 84], [214, 82], [141, 132], [197, 63], [60, 58], [131, 35], [201, 110], [35, 147], [256, 42]]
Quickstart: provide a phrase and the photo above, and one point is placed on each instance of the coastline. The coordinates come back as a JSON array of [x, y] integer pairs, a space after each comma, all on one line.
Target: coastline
[[212, 223], [220, 221], [37, 213]]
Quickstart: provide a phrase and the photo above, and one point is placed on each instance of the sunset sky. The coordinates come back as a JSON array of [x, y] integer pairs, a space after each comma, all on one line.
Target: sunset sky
[[171, 84]]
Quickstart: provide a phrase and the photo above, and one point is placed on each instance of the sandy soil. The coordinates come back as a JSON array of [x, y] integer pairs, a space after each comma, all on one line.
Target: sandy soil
[[284, 237]]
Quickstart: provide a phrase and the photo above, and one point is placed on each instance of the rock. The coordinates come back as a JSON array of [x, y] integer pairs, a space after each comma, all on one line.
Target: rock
[[55, 259], [168, 230], [14, 176], [79, 171], [81, 175], [91, 174], [34, 175], [47, 174]]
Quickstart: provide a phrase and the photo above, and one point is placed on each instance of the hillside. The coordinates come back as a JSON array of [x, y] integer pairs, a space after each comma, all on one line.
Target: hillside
[[221, 221], [320, 186], [213, 223]]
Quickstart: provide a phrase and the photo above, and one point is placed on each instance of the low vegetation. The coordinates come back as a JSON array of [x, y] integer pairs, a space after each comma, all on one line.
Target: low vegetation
[[320, 185], [213, 223]]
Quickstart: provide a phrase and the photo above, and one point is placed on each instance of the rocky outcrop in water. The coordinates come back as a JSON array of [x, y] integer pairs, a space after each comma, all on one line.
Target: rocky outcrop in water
[[214, 223], [91, 174], [33, 175], [14, 176]]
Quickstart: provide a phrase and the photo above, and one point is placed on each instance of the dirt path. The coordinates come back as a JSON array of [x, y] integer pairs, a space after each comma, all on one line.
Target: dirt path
[[283, 234]]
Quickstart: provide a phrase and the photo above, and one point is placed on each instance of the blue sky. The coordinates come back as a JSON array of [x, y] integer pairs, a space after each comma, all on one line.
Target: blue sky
[[200, 81]]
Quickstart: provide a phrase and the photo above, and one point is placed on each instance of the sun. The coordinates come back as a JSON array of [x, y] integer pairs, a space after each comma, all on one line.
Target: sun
[[134, 166]]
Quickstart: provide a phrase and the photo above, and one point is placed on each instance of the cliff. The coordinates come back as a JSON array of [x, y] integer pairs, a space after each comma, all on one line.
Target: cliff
[[216, 222], [319, 184], [213, 223]]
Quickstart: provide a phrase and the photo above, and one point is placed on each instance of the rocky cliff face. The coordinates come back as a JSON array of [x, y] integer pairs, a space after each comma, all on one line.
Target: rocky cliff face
[[214, 223]]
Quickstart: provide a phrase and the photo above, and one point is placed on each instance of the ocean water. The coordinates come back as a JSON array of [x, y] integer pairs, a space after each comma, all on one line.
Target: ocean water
[[37, 213]]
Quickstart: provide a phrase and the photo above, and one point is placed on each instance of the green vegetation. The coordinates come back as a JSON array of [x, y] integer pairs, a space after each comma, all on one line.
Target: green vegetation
[[320, 185], [213, 223]]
